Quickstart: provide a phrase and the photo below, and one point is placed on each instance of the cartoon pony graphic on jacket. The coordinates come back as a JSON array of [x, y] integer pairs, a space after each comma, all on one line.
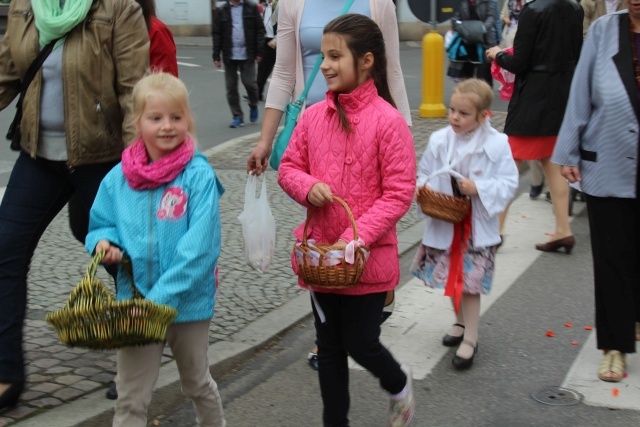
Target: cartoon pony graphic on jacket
[[173, 204]]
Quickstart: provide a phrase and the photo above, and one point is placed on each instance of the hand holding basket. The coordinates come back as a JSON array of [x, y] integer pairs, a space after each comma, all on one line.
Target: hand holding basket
[[446, 207], [319, 269], [93, 319]]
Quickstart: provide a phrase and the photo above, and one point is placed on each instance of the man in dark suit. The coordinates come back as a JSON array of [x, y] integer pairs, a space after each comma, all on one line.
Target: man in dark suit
[[238, 39]]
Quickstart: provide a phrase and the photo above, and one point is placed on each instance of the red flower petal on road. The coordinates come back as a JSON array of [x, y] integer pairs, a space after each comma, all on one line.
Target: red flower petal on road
[[615, 392], [588, 328], [550, 334], [574, 342], [568, 324]]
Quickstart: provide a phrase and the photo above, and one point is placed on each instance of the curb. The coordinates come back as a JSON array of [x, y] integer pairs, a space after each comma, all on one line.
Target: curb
[[240, 139], [95, 410]]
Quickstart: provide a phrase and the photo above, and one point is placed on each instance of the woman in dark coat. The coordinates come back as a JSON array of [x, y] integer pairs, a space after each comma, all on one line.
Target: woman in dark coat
[[546, 50]]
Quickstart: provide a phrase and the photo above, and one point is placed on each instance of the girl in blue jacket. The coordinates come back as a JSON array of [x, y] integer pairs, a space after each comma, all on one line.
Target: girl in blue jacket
[[159, 206]]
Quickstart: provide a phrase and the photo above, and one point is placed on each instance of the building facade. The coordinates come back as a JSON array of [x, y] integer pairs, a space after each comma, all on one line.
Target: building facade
[[193, 18]]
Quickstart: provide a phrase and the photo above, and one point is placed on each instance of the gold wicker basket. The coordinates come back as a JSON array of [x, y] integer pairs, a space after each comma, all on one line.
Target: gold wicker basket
[[443, 206], [93, 319], [339, 276]]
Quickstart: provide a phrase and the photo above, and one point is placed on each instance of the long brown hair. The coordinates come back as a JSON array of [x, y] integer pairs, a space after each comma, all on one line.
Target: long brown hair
[[148, 10], [362, 35]]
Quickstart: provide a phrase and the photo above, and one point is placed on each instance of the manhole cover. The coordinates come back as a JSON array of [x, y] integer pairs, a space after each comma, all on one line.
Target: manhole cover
[[557, 396]]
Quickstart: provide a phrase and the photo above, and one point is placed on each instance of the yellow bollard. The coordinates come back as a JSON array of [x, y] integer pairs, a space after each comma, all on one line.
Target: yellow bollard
[[432, 76]]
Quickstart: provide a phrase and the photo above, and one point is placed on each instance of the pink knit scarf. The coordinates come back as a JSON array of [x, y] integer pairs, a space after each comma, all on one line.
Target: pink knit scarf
[[142, 175]]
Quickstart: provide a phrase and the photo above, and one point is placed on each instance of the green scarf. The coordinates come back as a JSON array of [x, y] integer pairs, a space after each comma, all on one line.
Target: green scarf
[[54, 21]]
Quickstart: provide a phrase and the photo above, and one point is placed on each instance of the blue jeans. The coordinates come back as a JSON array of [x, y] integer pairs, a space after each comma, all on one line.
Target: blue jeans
[[37, 190], [351, 328]]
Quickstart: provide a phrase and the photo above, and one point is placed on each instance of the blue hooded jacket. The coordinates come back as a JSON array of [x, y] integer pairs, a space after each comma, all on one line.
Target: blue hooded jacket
[[170, 233]]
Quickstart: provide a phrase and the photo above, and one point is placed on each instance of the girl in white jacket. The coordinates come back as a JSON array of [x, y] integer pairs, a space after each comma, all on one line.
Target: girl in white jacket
[[460, 257]]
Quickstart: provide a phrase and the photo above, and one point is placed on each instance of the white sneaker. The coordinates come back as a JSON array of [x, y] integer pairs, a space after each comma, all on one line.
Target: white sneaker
[[401, 410]]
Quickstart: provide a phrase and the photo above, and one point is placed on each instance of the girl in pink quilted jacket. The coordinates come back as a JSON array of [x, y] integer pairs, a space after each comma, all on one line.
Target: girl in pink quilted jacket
[[357, 146]]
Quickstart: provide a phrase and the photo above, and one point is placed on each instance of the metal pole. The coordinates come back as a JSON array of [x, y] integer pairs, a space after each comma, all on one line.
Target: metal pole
[[434, 19]]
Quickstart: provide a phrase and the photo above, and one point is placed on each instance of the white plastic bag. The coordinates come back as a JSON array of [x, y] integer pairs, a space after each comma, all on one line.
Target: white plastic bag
[[258, 226]]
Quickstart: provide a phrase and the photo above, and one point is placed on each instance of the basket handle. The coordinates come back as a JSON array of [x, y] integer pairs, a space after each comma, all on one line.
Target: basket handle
[[126, 263], [95, 262], [444, 170], [346, 208]]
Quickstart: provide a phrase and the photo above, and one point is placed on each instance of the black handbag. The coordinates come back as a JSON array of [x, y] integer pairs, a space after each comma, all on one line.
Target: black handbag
[[471, 32], [13, 134]]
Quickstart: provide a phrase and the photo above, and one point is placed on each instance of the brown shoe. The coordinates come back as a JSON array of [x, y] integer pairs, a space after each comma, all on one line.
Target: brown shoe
[[553, 245]]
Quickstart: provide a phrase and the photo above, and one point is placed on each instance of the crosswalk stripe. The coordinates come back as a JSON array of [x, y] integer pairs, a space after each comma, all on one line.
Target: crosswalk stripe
[[188, 64], [582, 377]]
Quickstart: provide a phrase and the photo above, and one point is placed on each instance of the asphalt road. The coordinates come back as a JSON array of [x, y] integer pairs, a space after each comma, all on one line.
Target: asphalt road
[[515, 359]]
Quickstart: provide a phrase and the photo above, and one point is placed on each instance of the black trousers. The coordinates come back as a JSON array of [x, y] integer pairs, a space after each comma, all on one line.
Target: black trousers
[[37, 190], [265, 67], [247, 69], [467, 70], [351, 328], [615, 243]]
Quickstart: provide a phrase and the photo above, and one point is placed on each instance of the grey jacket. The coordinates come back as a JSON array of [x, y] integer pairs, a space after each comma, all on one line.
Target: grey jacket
[[599, 133]]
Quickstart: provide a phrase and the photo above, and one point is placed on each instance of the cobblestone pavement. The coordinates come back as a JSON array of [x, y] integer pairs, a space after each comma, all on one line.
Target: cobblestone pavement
[[57, 374]]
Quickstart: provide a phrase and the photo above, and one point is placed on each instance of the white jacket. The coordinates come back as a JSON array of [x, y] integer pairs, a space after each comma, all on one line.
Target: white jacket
[[494, 172]]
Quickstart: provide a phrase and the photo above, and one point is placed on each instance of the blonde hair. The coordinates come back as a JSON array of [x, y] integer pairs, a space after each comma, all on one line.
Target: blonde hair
[[170, 88], [477, 91]]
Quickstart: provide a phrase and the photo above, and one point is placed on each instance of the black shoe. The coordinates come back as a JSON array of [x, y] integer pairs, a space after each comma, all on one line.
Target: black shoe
[[452, 341], [312, 358], [535, 191], [461, 363], [112, 393], [10, 397]]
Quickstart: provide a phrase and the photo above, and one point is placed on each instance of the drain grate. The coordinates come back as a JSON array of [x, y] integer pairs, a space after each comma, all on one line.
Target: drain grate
[[557, 396]]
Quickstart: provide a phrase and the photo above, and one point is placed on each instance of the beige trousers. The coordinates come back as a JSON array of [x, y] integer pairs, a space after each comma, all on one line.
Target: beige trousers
[[138, 369]]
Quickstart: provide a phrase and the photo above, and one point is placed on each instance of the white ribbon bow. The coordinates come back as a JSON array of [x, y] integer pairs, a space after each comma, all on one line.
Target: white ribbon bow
[[453, 158], [349, 251]]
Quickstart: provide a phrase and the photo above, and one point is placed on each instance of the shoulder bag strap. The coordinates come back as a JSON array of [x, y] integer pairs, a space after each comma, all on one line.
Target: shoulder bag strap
[[33, 69], [316, 67]]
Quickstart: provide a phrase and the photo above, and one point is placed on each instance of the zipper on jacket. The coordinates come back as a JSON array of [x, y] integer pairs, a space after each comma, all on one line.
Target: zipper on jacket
[[150, 243], [99, 20], [107, 123], [25, 13]]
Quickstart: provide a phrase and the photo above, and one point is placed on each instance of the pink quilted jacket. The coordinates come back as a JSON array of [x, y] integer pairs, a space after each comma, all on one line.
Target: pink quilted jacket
[[373, 169]]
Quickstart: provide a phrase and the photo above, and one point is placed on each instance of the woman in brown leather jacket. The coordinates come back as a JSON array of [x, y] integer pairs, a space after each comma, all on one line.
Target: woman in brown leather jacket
[[73, 130]]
